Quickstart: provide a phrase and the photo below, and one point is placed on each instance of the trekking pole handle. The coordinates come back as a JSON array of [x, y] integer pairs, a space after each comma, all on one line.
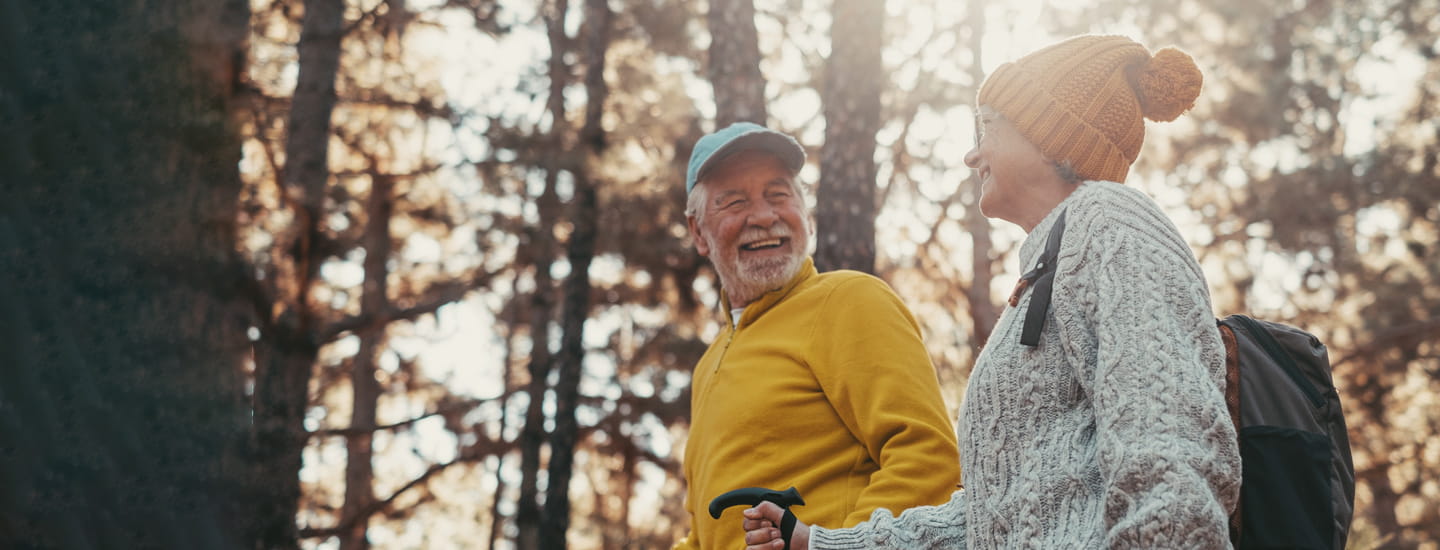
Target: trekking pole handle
[[753, 496]]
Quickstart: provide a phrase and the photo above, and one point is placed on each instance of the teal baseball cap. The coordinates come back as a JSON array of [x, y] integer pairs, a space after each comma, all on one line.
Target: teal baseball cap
[[741, 136]]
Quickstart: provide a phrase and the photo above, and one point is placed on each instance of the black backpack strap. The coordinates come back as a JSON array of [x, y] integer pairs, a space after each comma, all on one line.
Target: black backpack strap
[[1042, 278]]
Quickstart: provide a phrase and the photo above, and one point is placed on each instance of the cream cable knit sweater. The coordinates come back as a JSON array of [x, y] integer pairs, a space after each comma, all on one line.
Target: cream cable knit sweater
[[1112, 433]]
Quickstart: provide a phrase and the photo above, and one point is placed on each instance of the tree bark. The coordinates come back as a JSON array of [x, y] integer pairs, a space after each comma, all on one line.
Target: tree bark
[[983, 314], [365, 390], [542, 306], [1384, 498], [122, 339], [497, 519], [555, 521], [845, 201], [734, 63], [627, 493], [286, 352], [1383, 501]]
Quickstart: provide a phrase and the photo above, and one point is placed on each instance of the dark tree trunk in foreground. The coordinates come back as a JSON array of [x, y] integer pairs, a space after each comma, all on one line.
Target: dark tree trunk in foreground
[[585, 214], [845, 201], [289, 344], [734, 63], [122, 338]]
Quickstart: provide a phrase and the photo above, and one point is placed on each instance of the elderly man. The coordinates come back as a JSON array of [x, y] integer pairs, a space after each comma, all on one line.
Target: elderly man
[[818, 381]]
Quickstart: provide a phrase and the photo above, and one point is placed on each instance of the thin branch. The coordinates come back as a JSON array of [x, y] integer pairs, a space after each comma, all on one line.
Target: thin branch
[[447, 409], [374, 98], [367, 16], [474, 454], [899, 157], [438, 295], [425, 170]]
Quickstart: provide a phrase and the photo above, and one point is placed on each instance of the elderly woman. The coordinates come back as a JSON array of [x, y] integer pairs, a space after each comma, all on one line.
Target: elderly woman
[[1106, 428]]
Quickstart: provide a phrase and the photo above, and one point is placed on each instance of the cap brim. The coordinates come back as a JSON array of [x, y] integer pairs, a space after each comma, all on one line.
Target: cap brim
[[781, 145]]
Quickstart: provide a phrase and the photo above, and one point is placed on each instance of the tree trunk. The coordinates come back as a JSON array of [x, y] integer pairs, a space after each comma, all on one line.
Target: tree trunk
[[286, 353], [542, 306], [497, 519], [282, 372], [734, 63], [982, 307], [555, 521], [511, 321], [1383, 501], [122, 339], [532, 433], [983, 314], [556, 517], [365, 390], [627, 493], [845, 201]]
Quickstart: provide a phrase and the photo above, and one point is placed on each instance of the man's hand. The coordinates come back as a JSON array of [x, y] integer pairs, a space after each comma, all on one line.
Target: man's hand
[[761, 532]]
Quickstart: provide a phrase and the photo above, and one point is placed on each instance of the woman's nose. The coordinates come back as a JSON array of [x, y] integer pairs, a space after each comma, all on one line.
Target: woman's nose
[[972, 158]]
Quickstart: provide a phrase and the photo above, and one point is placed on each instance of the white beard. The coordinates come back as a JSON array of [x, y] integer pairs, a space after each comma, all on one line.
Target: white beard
[[744, 280], [759, 276]]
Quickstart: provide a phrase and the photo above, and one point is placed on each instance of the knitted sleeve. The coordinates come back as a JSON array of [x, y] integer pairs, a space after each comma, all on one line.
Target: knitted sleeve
[[1167, 450], [940, 526]]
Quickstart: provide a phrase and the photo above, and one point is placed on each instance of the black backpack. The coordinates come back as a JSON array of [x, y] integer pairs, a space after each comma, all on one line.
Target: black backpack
[[1297, 487]]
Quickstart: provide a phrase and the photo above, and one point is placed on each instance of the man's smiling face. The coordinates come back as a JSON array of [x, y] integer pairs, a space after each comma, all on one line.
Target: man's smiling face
[[751, 224]]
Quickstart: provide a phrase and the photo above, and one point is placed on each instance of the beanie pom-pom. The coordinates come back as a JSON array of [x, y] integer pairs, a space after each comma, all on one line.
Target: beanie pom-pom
[[1168, 85]]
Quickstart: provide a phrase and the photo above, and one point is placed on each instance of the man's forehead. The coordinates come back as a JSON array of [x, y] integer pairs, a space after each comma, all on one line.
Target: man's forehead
[[778, 181]]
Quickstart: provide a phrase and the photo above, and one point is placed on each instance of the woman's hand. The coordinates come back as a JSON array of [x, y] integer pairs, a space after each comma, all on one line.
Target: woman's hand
[[762, 533]]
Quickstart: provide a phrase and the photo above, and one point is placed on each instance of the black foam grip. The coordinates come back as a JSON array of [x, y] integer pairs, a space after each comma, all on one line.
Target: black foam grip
[[787, 527]]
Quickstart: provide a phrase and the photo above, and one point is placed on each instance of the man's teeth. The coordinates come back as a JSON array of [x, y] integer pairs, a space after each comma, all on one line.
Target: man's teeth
[[761, 244]]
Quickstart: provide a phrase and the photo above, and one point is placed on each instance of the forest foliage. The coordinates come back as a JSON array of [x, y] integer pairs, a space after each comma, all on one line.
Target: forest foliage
[[455, 243]]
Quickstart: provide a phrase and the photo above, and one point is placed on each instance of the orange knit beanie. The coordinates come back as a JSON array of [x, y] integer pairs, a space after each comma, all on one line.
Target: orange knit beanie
[[1081, 100]]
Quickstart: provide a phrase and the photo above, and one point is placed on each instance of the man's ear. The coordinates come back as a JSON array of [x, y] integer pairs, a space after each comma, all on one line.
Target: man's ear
[[701, 245]]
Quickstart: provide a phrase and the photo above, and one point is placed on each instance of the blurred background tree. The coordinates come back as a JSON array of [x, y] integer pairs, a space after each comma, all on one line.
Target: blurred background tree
[[452, 234], [1335, 106]]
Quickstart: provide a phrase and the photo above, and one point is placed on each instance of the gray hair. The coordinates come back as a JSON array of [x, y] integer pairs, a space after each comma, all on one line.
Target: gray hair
[[1066, 170], [695, 202]]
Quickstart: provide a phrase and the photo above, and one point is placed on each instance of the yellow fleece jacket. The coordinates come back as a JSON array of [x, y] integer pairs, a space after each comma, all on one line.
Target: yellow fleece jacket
[[825, 386]]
